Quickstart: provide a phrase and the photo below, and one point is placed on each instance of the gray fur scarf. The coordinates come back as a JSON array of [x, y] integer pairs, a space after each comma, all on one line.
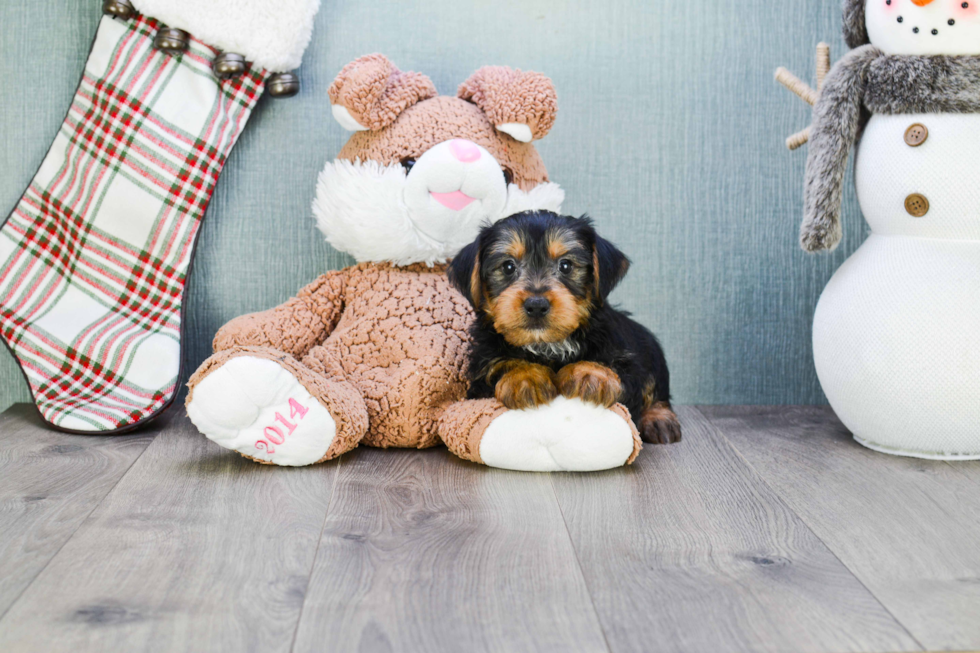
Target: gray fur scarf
[[868, 80]]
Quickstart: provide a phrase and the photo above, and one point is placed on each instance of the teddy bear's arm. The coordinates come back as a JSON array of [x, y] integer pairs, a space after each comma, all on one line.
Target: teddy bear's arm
[[294, 327]]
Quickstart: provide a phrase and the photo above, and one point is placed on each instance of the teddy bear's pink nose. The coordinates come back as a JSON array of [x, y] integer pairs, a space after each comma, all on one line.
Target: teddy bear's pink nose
[[464, 150]]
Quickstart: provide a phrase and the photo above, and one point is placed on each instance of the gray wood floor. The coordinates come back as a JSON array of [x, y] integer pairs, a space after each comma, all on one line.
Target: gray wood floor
[[766, 529]]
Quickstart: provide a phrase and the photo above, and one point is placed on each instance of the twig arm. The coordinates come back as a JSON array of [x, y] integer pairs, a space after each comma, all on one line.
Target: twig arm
[[796, 85], [799, 139], [823, 64]]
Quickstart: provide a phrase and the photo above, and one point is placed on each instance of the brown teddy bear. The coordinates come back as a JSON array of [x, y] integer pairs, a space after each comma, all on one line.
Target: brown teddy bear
[[375, 353]]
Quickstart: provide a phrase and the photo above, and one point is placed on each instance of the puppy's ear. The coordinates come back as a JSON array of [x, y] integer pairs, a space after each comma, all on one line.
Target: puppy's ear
[[464, 274], [610, 266], [370, 92]]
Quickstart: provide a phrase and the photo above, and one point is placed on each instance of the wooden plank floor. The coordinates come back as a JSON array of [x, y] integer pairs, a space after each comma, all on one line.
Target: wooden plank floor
[[909, 529], [49, 484], [766, 529]]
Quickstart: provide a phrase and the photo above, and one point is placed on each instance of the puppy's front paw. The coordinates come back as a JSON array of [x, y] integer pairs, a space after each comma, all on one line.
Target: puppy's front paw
[[659, 425], [591, 382], [526, 386]]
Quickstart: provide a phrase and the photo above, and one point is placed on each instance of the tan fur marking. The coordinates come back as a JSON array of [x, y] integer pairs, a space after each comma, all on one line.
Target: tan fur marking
[[526, 385], [567, 314], [507, 312], [560, 242], [476, 284], [515, 247], [659, 424], [498, 368], [556, 248], [649, 394], [590, 382], [595, 273]]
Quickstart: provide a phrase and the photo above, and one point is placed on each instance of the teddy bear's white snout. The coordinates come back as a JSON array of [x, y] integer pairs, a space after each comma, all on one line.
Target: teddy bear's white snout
[[455, 186]]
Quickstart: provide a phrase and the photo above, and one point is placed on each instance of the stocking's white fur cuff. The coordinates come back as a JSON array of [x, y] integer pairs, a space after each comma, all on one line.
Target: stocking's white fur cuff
[[272, 34]]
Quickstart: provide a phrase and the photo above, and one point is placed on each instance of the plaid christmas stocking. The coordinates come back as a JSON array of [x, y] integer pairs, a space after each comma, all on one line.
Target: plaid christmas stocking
[[94, 259]]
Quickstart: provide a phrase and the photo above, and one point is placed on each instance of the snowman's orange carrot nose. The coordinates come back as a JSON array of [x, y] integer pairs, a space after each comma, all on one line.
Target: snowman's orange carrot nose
[[922, 3]]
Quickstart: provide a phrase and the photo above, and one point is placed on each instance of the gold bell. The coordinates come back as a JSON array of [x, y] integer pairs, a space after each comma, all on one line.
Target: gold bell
[[119, 9], [228, 64], [282, 85], [172, 40]]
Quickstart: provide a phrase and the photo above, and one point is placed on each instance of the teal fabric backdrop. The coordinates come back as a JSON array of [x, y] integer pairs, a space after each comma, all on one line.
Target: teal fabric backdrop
[[670, 133]]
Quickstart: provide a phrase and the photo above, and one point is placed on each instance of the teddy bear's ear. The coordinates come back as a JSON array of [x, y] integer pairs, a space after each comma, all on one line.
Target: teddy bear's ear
[[370, 92], [520, 104]]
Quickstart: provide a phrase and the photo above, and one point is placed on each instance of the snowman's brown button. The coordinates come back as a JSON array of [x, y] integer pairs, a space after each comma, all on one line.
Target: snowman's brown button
[[916, 135], [917, 205]]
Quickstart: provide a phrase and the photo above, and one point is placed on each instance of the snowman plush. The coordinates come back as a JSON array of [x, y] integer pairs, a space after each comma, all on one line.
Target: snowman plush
[[896, 334]]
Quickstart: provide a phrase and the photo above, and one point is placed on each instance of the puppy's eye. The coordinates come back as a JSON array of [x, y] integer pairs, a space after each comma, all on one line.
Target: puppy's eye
[[508, 268], [508, 176], [408, 164], [565, 266]]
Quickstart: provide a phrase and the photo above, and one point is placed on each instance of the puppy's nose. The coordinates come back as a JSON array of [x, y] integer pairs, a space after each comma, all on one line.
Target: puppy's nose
[[536, 306], [465, 151]]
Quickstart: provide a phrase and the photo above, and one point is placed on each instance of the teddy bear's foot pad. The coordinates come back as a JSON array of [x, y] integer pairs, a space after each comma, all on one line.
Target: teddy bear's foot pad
[[257, 408], [566, 435]]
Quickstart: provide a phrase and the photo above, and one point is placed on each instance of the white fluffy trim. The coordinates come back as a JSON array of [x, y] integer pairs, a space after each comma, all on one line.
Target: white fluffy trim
[[543, 197], [567, 435], [239, 404], [272, 34], [360, 208]]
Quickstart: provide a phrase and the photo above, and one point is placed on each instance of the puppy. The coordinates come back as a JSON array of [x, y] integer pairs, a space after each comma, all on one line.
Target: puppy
[[539, 282]]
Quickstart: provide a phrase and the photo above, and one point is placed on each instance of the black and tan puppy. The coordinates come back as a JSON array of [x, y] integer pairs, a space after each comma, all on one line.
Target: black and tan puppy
[[539, 283]]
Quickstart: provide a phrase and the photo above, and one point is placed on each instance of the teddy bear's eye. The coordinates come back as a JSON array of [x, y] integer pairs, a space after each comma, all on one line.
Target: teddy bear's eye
[[508, 176], [408, 164]]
